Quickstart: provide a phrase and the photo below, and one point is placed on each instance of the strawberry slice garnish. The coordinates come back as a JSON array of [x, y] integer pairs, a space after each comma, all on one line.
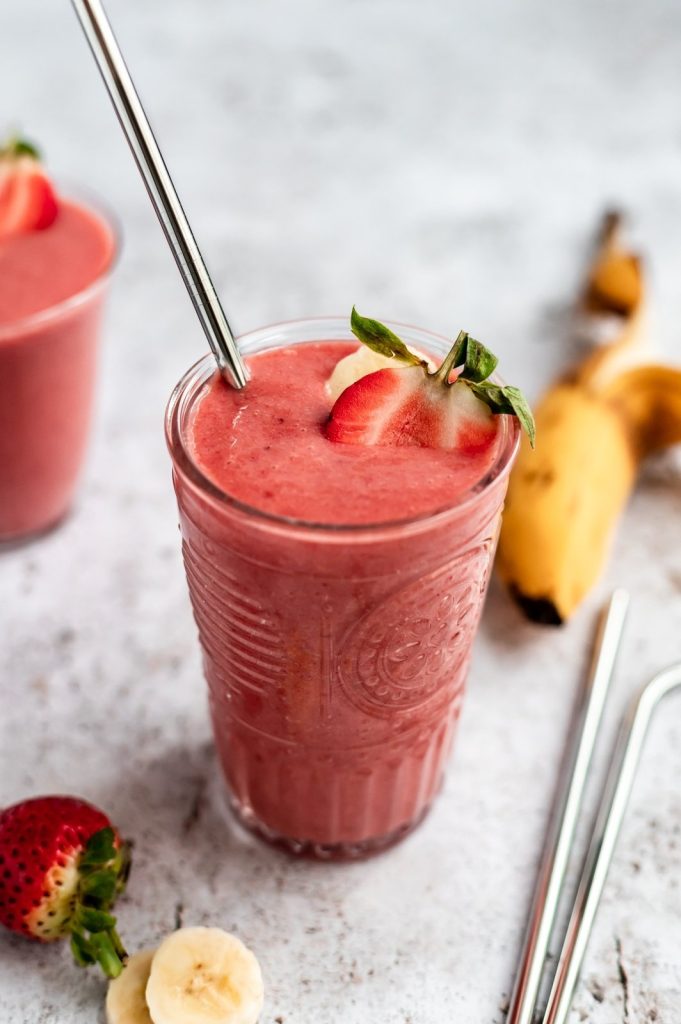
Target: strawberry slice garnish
[[27, 198], [452, 407], [62, 865]]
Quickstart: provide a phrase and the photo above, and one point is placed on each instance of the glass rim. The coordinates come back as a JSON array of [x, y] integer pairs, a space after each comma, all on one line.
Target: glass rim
[[200, 372], [64, 306]]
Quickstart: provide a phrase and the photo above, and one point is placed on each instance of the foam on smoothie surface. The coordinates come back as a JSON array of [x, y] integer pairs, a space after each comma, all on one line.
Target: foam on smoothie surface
[[265, 447], [41, 268]]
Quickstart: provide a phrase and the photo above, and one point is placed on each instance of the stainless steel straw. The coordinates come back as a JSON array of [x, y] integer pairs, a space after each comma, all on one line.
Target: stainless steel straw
[[161, 190], [566, 811], [610, 814]]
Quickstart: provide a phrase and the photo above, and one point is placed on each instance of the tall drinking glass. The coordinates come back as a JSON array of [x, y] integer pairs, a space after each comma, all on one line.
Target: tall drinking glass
[[336, 656], [48, 363]]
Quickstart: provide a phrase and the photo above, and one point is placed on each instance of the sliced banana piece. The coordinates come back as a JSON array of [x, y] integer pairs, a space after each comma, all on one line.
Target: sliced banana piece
[[204, 976], [125, 997], [360, 363]]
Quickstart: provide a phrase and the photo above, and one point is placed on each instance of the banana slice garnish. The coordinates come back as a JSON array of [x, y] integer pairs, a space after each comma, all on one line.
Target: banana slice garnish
[[360, 363], [204, 976]]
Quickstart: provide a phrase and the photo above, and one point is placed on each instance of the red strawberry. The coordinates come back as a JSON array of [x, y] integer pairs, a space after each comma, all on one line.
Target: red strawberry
[[27, 198], [451, 407], [402, 407], [62, 864]]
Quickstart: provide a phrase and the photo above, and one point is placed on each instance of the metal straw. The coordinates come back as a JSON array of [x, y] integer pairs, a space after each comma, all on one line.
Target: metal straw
[[161, 190], [566, 811], [610, 814]]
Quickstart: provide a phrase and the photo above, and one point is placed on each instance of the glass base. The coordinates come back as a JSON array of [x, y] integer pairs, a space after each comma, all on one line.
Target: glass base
[[15, 539], [342, 851]]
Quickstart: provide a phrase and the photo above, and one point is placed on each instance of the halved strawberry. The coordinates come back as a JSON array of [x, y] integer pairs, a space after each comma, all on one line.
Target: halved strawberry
[[62, 864], [452, 407], [27, 198]]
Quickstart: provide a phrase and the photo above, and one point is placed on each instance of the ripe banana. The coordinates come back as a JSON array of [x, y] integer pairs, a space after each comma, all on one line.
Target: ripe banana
[[204, 976], [593, 429], [125, 998]]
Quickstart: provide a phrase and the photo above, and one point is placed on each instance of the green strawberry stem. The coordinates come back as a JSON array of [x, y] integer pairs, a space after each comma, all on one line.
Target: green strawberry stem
[[451, 360], [477, 363], [103, 868]]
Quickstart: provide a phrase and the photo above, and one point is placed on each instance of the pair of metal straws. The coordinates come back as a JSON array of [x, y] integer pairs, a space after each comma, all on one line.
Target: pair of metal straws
[[564, 816]]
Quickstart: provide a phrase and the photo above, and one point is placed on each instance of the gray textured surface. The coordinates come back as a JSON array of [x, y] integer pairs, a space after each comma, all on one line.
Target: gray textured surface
[[439, 163]]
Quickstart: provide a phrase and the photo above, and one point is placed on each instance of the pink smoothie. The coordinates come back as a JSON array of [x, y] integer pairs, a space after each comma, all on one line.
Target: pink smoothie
[[51, 291], [265, 446], [335, 649]]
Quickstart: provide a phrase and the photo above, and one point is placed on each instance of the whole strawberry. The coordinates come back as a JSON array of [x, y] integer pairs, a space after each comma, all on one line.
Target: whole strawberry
[[62, 865]]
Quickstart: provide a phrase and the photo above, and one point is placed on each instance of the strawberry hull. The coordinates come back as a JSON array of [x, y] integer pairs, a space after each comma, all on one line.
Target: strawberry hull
[[336, 656]]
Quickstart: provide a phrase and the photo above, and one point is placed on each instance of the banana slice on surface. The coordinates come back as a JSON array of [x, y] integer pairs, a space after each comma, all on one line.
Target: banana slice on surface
[[125, 998], [360, 363], [204, 976]]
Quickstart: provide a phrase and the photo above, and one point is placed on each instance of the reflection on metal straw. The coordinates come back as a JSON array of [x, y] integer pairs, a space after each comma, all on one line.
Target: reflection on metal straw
[[610, 814], [161, 190], [566, 811]]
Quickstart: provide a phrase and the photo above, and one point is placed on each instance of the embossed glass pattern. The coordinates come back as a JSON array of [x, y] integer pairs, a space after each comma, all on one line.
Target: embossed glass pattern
[[336, 657]]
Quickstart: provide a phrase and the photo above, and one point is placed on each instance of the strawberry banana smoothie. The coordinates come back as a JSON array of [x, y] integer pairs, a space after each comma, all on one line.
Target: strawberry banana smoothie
[[55, 255], [337, 574]]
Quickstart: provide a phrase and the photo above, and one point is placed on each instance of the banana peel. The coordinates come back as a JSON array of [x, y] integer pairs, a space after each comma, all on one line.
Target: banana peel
[[594, 427]]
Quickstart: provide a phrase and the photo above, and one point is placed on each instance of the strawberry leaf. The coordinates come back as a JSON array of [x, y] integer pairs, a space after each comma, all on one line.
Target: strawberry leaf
[[381, 339], [103, 866], [506, 400], [100, 887], [118, 945], [100, 849], [104, 951], [101, 944], [95, 920], [478, 362], [80, 947], [16, 147]]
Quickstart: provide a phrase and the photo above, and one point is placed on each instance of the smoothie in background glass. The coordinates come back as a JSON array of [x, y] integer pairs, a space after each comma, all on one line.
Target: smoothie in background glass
[[53, 280], [337, 590]]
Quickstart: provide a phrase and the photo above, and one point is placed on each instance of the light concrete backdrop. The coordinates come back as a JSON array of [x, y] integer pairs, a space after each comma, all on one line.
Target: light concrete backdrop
[[441, 163]]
